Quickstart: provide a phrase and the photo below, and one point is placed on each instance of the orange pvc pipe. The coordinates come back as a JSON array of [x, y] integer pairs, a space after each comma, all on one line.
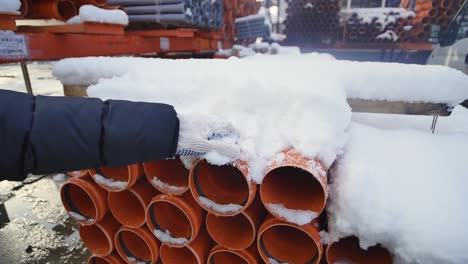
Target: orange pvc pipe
[[24, 8], [347, 250], [116, 179], [194, 253], [222, 190], [129, 206], [99, 238], [220, 255], [85, 201], [296, 183], [78, 174], [174, 220], [48, 9], [168, 176], [237, 232], [113, 258], [99, 3], [285, 242], [136, 245]]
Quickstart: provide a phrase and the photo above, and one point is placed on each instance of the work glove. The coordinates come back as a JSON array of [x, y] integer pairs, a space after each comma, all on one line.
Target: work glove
[[200, 135]]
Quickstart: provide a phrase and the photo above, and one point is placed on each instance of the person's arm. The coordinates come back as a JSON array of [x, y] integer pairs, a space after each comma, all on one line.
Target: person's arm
[[45, 134]]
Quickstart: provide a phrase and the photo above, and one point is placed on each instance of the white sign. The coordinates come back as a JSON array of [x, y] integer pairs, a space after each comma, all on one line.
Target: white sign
[[13, 46], [164, 44]]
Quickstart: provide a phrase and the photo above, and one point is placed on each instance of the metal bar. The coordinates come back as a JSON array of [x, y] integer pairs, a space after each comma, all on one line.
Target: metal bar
[[27, 80]]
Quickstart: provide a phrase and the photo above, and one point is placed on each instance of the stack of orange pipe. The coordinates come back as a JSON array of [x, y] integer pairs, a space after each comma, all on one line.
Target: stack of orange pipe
[[161, 212], [54, 9], [234, 9]]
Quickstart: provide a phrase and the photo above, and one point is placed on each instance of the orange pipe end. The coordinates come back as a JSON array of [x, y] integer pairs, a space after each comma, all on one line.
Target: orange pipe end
[[67, 9], [24, 8], [78, 174], [116, 179], [348, 250], [99, 3], [85, 201], [136, 245], [285, 242], [194, 253], [236, 232], [222, 190], [48, 9], [174, 220], [110, 259], [99, 238], [220, 255], [129, 206], [294, 182], [168, 176]]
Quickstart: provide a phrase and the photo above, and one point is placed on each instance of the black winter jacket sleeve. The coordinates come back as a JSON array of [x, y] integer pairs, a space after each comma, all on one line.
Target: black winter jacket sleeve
[[45, 134]]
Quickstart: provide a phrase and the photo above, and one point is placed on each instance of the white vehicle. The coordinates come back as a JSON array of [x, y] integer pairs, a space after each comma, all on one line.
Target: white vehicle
[[452, 50]]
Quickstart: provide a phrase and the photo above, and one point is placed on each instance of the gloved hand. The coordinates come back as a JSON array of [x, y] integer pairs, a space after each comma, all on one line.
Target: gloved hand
[[199, 135]]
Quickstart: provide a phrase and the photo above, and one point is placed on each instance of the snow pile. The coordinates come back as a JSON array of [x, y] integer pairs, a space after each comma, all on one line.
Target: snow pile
[[222, 208], [166, 237], [111, 183], [9, 6], [166, 186], [90, 13], [383, 16], [299, 217], [404, 189], [389, 34]]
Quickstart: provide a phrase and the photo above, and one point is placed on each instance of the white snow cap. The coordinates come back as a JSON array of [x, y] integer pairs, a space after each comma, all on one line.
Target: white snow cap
[[299, 217], [90, 13], [10, 6], [111, 183], [404, 189], [166, 237], [222, 208]]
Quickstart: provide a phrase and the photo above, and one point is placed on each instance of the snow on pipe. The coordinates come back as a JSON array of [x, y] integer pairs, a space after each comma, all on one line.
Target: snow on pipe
[[129, 206], [115, 179], [78, 174], [220, 255], [194, 253], [222, 190], [347, 250], [168, 176], [282, 242], [99, 238], [113, 258], [137, 245], [156, 9], [294, 188], [145, 2], [237, 232], [84, 201], [48, 9], [174, 220]]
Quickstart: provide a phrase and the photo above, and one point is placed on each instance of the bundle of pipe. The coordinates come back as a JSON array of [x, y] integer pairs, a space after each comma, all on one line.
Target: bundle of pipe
[[250, 28], [187, 13], [234, 9], [162, 212], [430, 12], [48, 9], [312, 21], [381, 27]]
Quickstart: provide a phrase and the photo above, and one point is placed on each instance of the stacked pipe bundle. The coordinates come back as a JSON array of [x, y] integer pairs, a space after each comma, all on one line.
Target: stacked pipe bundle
[[191, 13], [377, 24], [250, 28], [54, 9], [438, 12], [209, 214], [312, 21], [234, 9]]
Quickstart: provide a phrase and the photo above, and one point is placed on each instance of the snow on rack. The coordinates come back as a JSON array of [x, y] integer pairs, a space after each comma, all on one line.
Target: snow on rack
[[222, 208], [110, 182], [299, 217], [166, 237], [10, 6], [90, 13], [405, 189], [380, 15]]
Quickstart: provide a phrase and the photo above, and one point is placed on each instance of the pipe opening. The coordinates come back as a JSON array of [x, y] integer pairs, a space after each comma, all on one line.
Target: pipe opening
[[67, 9], [170, 219], [168, 176], [221, 184], [78, 202], [288, 244], [135, 248], [234, 232], [227, 257], [172, 255], [127, 208], [96, 240], [293, 188], [348, 250]]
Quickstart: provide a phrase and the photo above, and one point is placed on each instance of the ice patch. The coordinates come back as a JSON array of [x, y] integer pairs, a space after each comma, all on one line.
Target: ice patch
[[166, 237], [222, 208], [299, 217], [81, 218], [166, 186], [110, 182]]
